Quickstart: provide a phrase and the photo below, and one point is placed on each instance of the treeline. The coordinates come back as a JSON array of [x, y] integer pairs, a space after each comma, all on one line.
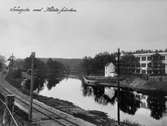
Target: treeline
[[129, 64], [51, 71], [95, 66], [144, 51], [2, 62]]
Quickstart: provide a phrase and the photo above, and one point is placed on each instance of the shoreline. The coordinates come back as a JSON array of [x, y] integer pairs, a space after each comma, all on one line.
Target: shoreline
[[131, 83]]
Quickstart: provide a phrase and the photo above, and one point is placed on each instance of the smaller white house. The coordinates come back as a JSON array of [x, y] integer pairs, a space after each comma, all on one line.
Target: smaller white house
[[110, 70]]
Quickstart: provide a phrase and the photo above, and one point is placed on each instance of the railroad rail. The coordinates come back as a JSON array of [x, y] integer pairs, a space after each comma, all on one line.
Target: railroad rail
[[60, 117]]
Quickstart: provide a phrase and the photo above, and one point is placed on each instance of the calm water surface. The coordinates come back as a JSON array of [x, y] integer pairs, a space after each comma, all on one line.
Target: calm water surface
[[148, 110]]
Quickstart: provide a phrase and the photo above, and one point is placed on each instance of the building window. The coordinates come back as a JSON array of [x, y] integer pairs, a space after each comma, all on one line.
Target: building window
[[149, 58], [149, 64], [143, 65], [144, 58], [162, 57]]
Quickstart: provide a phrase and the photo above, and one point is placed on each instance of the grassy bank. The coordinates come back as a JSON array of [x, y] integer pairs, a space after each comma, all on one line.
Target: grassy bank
[[141, 84]]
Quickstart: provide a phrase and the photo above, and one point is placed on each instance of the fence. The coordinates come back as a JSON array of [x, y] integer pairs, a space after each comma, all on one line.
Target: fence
[[7, 112]]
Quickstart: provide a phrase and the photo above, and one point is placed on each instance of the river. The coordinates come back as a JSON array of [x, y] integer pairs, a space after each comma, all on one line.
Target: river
[[145, 109]]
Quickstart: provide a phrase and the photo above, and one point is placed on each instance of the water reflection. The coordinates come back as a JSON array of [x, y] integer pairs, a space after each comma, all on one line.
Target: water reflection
[[156, 103], [52, 82], [130, 101], [135, 106], [99, 93], [87, 90]]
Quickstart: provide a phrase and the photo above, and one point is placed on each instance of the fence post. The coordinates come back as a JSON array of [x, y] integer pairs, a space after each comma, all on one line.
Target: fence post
[[9, 101], [118, 95]]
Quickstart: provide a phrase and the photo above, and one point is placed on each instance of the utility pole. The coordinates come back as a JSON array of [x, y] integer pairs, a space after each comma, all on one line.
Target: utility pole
[[118, 92], [32, 85]]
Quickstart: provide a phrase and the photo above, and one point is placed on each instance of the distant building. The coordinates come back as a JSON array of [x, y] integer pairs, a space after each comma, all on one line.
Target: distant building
[[145, 59], [110, 70]]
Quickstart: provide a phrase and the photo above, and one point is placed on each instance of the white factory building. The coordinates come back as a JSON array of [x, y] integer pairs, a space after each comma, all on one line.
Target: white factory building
[[110, 70], [145, 59]]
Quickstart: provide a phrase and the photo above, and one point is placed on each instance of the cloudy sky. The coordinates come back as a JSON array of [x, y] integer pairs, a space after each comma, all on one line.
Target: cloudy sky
[[98, 25]]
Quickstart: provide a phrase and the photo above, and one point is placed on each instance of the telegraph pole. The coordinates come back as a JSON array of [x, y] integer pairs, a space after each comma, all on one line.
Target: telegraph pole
[[118, 96], [32, 85]]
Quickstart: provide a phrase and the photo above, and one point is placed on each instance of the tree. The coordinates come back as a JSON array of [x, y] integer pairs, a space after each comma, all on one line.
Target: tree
[[101, 59], [39, 72], [129, 64], [165, 50], [2, 62], [12, 61], [55, 72], [87, 65], [157, 67], [96, 65]]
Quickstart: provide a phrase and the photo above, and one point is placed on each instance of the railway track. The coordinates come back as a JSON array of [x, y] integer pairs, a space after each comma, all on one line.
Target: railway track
[[58, 118], [51, 115]]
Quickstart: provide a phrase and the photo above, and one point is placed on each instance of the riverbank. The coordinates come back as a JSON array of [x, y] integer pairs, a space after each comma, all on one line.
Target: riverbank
[[95, 117], [130, 82], [143, 85]]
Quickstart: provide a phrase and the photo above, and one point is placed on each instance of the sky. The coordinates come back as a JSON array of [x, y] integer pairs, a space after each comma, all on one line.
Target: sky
[[97, 26]]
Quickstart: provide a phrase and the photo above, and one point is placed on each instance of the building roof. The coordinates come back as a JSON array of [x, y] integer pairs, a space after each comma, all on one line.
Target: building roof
[[149, 54], [109, 64]]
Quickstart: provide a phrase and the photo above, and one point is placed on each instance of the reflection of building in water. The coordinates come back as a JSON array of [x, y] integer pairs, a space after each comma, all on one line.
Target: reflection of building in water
[[110, 70], [143, 103], [142, 98], [109, 92], [101, 100], [155, 103]]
